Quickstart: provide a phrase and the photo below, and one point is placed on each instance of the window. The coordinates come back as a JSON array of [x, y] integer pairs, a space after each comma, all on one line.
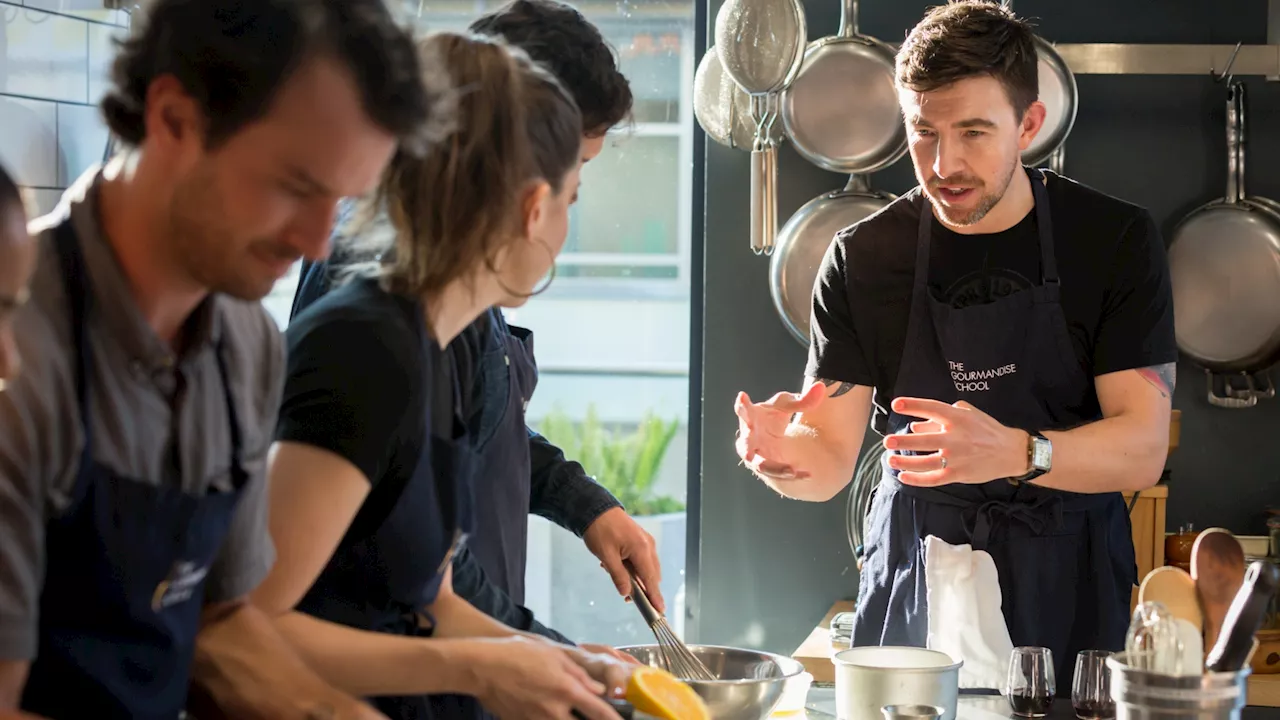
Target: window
[[612, 331]]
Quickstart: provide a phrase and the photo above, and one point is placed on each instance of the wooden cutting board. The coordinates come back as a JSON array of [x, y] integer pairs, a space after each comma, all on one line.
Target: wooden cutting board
[[816, 651]]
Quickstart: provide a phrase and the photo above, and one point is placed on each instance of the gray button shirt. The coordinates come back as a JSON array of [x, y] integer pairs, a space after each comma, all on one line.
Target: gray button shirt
[[156, 417]]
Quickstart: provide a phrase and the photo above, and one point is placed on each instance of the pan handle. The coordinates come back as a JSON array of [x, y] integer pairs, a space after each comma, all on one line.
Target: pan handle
[[848, 19], [1233, 399], [1235, 142]]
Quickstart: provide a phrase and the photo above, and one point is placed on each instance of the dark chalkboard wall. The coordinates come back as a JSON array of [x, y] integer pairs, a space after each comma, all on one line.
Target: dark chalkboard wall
[[767, 568]]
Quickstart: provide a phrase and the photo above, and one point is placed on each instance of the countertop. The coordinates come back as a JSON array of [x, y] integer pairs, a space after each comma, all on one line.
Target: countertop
[[821, 705]]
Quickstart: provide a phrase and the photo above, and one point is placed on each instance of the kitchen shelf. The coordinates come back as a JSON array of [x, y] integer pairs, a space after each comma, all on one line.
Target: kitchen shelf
[[1180, 59]]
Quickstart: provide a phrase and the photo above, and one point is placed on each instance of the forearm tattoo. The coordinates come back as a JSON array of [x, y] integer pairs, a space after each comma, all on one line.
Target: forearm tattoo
[[841, 386], [1162, 377]]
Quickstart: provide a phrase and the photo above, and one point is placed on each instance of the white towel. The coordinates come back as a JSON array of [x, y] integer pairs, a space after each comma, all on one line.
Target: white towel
[[965, 622]]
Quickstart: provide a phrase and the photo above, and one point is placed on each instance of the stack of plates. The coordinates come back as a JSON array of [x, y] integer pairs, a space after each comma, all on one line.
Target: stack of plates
[[842, 628]]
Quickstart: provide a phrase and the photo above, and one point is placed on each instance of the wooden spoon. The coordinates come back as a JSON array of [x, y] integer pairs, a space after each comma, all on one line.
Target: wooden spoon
[[1173, 588], [1217, 566]]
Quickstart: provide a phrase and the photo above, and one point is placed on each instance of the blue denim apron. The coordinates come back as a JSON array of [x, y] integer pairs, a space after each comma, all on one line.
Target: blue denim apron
[[125, 566], [1065, 560], [508, 377]]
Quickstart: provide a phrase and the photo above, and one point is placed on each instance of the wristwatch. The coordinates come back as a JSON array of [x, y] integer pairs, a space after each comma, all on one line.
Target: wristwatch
[[1039, 458]]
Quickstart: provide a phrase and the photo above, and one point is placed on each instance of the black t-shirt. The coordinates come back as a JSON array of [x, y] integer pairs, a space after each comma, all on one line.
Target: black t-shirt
[[1115, 293], [360, 380]]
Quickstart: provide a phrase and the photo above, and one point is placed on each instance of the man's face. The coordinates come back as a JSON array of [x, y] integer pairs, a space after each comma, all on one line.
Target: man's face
[[966, 142], [242, 214]]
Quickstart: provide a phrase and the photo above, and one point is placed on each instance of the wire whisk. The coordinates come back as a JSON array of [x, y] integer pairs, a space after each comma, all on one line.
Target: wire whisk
[[678, 658]]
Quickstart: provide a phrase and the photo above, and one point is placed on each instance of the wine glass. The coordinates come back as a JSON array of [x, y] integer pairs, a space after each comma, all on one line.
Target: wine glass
[[1030, 685], [1091, 686]]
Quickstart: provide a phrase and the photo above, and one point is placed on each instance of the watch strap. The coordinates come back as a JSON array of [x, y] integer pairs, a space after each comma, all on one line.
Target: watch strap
[[1034, 472]]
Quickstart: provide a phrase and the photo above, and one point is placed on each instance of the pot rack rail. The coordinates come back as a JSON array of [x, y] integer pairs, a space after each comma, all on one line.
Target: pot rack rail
[[1155, 59], [1179, 59]]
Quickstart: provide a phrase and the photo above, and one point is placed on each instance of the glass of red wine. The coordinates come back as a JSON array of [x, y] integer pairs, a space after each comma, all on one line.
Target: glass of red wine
[[1030, 686], [1091, 686]]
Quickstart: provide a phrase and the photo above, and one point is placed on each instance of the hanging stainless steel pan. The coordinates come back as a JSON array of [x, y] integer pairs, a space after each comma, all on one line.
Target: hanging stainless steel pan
[[761, 45], [841, 112], [722, 109], [804, 240], [1060, 97], [1224, 261]]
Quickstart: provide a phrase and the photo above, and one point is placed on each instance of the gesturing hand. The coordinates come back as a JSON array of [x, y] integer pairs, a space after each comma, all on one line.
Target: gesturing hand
[[966, 445], [762, 442]]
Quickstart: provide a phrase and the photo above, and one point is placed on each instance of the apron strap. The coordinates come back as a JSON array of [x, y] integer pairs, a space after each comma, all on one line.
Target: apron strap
[[76, 283], [1044, 224], [239, 476], [1035, 515]]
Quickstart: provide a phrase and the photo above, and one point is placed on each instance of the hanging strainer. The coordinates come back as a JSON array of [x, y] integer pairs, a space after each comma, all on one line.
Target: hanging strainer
[[722, 108], [761, 45]]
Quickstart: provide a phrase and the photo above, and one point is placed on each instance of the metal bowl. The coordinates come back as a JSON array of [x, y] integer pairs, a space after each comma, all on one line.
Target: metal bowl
[[750, 684]]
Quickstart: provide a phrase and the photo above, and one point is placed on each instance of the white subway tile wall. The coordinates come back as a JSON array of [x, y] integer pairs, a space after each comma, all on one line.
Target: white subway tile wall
[[55, 56]]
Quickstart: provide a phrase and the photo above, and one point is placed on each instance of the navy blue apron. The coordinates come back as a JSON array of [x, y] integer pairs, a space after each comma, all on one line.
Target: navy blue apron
[[392, 561], [125, 567], [1065, 560], [509, 376]]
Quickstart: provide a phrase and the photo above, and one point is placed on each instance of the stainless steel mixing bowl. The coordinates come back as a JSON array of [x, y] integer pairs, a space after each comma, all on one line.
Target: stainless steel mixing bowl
[[750, 684]]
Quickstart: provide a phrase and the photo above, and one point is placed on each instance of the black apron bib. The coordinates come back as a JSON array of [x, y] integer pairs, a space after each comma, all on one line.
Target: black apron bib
[[125, 567], [509, 376], [1065, 560], [392, 561]]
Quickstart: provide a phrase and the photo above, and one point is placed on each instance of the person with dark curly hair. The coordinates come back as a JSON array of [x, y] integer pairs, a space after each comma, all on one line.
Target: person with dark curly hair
[[133, 507], [521, 472]]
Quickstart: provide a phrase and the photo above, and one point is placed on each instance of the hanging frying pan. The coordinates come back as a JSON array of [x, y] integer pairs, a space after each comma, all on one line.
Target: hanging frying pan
[[841, 112], [761, 45], [804, 240], [1224, 262], [722, 108], [1060, 97]]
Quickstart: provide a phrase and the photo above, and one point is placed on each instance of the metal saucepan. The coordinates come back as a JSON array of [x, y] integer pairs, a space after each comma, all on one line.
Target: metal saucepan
[[722, 108], [1224, 262], [1060, 97], [841, 112], [761, 46], [804, 240], [871, 677]]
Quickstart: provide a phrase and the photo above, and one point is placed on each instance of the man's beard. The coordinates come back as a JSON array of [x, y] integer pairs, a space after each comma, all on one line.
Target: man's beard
[[960, 217], [204, 247]]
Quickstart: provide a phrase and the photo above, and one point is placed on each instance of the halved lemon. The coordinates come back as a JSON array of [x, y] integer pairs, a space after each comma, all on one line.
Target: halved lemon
[[659, 693]]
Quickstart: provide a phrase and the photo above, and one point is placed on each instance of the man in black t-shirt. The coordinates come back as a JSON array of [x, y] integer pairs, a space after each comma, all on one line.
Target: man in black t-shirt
[[1013, 331]]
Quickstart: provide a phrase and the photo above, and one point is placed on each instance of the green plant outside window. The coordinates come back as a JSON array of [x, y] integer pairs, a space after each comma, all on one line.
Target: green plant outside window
[[625, 463]]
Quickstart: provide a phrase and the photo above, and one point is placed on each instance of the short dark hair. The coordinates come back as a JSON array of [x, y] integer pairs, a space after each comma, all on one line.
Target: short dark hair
[[968, 38], [566, 43], [234, 56]]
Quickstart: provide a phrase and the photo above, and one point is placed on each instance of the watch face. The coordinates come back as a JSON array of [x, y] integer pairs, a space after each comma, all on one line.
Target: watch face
[[1041, 454]]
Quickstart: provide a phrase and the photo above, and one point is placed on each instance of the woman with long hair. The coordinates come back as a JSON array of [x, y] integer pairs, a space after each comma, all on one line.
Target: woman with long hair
[[370, 490]]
